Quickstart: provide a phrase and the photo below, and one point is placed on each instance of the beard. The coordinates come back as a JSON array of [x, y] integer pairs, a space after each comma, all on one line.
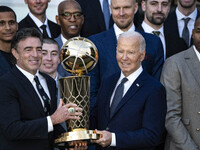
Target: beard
[[156, 20], [186, 5]]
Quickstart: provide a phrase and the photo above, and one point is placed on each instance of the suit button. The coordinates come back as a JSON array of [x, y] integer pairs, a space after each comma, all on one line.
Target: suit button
[[199, 112], [107, 129], [198, 129]]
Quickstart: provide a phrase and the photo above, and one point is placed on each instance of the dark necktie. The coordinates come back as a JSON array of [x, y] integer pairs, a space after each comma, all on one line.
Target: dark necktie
[[43, 95], [118, 96], [43, 27], [106, 13], [157, 33], [185, 33]]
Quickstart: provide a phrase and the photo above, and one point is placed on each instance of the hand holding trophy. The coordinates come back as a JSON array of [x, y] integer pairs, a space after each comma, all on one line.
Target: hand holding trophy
[[78, 56]]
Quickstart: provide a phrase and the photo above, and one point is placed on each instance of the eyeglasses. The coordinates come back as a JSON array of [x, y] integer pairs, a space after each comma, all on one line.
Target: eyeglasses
[[68, 15]]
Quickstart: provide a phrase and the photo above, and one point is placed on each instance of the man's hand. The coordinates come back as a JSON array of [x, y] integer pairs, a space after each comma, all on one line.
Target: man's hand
[[62, 114], [105, 139]]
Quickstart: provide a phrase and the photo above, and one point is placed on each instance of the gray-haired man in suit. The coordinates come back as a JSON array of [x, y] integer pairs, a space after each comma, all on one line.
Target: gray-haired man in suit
[[181, 78]]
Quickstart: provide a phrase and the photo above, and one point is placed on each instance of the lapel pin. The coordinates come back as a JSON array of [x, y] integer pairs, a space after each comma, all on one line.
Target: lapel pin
[[137, 85]]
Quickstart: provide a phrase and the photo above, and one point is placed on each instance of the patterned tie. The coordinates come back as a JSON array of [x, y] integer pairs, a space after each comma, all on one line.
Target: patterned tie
[[185, 33], [118, 96], [157, 33], [43, 95], [45, 35], [106, 13]]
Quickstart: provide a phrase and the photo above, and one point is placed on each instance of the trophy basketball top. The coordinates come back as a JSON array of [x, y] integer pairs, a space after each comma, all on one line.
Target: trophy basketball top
[[78, 55]]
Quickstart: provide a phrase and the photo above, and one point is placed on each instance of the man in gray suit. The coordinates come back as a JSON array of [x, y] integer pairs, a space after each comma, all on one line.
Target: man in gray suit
[[181, 78], [70, 19]]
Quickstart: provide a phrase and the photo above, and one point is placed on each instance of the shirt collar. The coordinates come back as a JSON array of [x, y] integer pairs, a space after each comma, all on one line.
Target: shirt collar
[[118, 31], [197, 53], [181, 16], [37, 21], [147, 28], [64, 40], [29, 75], [132, 77]]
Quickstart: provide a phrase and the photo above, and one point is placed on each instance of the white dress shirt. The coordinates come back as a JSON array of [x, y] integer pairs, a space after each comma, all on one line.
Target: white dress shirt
[[191, 22], [147, 28], [131, 78], [44, 85], [197, 52], [39, 23], [118, 31]]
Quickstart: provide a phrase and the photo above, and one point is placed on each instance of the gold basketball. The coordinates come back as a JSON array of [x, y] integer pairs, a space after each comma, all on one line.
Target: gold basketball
[[78, 56]]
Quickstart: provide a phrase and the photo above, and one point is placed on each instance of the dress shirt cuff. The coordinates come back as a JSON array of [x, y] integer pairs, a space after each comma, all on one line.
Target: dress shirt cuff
[[113, 141], [50, 124]]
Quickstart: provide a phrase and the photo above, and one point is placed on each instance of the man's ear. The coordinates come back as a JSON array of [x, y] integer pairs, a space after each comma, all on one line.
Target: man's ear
[[15, 53], [143, 5]]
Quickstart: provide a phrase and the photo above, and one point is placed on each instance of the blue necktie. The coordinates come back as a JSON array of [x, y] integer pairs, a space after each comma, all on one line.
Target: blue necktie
[[118, 96], [106, 13], [185, 33], [43, 95]]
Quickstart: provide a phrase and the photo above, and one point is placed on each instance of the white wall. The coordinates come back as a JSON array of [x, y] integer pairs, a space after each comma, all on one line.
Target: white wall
[[21, 9]]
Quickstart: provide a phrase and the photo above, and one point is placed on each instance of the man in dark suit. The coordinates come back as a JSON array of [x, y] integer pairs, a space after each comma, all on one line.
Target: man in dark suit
[[70, 19], [174, 24], [155, 14], [8, 28], [94, 18], [136, 120], [28, 115], [37, 18], [106, 42]]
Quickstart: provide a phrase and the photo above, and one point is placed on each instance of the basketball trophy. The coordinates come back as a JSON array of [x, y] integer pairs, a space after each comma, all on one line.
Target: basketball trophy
[[78, 56]]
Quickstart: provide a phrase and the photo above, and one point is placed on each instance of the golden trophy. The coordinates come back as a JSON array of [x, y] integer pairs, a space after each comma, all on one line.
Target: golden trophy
[[78, 56]]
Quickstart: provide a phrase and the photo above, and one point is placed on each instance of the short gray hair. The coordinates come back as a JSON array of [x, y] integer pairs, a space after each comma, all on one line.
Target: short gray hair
[[135, 35]]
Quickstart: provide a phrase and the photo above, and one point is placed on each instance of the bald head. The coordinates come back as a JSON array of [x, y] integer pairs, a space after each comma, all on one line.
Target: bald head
[[67, 3]]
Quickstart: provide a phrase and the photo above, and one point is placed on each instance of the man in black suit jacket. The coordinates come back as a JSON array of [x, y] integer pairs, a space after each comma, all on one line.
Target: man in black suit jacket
[[37, 18], [94, 19], [174, 24], [28, 118], [155, 14]]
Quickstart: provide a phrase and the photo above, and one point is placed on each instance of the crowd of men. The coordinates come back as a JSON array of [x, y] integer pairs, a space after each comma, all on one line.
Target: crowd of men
[[144, 92]]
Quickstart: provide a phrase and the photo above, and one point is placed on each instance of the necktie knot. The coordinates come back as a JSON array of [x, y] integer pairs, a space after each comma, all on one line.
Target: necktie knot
[[157, 33], [45, 34], [186, 20], [123, 80]]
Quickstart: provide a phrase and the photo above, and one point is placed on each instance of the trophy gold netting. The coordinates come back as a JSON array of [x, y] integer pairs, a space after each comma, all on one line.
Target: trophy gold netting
[[78, 56]]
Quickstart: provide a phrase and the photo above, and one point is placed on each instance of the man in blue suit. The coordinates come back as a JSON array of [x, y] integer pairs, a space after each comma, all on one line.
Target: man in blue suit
[[123, 15], [136, 120]]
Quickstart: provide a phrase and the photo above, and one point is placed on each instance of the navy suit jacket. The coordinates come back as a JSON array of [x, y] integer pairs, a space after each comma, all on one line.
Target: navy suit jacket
[[173, 44], [23, 124], [27, 22], [4, 65], [138, 121], [106, 43], [171, 24]]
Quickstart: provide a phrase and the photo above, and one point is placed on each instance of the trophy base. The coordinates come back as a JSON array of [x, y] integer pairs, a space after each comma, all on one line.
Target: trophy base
[[76, 135]]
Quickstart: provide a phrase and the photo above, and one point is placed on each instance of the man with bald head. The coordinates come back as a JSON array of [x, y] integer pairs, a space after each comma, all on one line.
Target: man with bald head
[[181, 78], [70, 19], [133, 103], [123, 12]]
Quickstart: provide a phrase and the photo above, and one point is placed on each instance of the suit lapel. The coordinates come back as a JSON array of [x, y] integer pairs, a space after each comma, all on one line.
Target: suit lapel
[[28, 87], [193, 64], [137, 84], [110, 44]]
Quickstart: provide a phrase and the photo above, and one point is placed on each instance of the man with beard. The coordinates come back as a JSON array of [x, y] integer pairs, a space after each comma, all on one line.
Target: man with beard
[[181, 78], [37, 18], [155, 13], [70, 19], [180, 22], [123, 12]]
